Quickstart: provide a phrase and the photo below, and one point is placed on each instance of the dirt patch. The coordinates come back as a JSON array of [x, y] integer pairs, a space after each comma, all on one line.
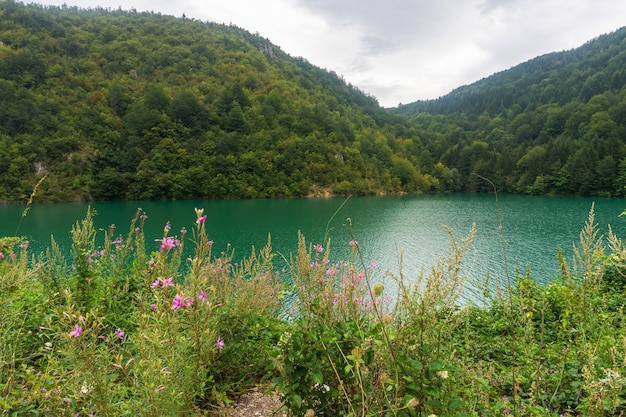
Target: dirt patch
[[258, 402]]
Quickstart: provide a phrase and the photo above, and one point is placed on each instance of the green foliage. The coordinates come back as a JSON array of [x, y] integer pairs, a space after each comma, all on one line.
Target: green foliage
[[127, 105], [113, 104], [119, 331], [129, 327], [551, 125]]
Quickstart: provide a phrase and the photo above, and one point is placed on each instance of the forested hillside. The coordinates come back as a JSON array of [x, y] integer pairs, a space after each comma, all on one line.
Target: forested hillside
[[553, 125], [114, 104]]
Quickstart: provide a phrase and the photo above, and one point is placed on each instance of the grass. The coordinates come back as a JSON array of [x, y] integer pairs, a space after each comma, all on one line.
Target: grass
[[131, 327]]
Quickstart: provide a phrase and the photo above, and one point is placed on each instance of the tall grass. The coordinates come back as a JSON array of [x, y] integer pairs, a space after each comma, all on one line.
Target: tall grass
[[130, 327]]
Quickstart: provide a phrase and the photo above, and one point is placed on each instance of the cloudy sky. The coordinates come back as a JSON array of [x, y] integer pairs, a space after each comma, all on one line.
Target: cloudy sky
[[401, 51]]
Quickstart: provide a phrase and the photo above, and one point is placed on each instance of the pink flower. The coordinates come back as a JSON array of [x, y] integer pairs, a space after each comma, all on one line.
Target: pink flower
[[119, 333], [153, 307], [168, 282], [373, 265], [155, 283], [187, 301], [202, 296], [177, 302], [318, 248], [219, 343], [77, 331], [201, 219], [353, 243], [168, 243]]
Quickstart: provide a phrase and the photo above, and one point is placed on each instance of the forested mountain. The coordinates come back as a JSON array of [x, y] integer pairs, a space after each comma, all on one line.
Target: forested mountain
[[113, 104], [553, 125]]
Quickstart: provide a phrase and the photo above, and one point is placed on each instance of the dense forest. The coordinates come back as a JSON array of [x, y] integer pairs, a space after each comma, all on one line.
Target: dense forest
[[113, 104], [553, 125]]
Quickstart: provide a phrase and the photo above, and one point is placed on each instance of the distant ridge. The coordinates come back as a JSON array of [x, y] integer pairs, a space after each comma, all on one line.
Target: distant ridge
[[560, 77]]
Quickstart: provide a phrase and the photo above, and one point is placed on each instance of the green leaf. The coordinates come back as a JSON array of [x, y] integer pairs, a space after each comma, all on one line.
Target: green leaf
[[416, 365], [317, 377], [436, 365]]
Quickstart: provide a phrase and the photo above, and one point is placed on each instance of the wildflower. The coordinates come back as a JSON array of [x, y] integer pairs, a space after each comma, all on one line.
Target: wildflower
[[373, 265], [201, 219], [443, 374], [187, 301], [309, 413], [202, 296], [412, 403], [183, 231], [169, 282], [167, 227], [168, 243], [219, 343], [210, 243], [353, 243], [119, 333], [77, 331], [155, 283], [177, 302], [318, 248], [84, 389]]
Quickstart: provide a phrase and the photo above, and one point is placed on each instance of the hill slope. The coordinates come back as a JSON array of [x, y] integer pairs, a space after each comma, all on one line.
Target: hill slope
[[553, 125], [112, 104], [556, 78]]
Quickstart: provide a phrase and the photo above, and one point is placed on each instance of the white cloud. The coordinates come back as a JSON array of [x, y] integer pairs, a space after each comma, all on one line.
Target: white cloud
[[405, 50]]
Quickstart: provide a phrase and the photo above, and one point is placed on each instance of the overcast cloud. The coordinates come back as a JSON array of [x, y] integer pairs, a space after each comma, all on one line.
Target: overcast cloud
[[401, 51]]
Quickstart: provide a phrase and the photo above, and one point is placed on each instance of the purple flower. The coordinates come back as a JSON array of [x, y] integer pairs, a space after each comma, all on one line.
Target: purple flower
[[168, 243], [219, 343], [187, 301], [77, 331], [177, 302]]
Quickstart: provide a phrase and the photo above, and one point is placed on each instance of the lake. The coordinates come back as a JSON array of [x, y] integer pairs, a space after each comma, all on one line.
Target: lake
[[533, 226]]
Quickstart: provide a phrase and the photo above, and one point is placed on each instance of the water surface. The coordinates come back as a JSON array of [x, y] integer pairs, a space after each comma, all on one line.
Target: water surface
[[533, 227]]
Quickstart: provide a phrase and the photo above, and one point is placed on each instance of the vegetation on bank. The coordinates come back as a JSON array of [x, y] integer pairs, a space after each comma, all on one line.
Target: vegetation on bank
[[128, 327], [113, 104]]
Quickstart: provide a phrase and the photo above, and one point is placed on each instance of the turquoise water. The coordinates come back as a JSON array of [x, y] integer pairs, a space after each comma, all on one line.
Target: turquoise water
[[533, 227]]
